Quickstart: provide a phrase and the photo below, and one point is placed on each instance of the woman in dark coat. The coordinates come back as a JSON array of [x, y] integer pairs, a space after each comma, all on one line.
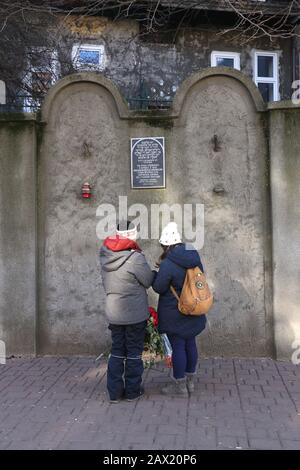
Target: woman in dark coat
[[180, 329]]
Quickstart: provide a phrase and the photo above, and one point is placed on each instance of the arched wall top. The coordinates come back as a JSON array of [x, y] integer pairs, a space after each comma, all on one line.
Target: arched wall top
[[89, 77], [217, 71], [121, 104]]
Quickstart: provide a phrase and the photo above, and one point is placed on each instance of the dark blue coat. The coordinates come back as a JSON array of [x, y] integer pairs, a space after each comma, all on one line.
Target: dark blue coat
[[172, 271]]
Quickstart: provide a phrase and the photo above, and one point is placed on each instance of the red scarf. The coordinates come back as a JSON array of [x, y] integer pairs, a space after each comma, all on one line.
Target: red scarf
[[118, 243]]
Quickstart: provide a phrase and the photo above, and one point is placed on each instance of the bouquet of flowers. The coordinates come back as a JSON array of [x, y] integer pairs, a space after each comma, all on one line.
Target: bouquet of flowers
[[156, 346]]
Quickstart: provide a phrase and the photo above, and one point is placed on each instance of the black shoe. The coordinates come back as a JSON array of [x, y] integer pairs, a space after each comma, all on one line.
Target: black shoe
[[137, 396], [117, 400]]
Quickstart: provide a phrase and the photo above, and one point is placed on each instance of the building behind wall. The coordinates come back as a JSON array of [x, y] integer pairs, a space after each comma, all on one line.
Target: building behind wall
[[149, 62]]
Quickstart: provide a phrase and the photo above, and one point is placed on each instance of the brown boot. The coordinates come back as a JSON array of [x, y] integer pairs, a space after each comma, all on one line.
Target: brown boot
[[176, 387]]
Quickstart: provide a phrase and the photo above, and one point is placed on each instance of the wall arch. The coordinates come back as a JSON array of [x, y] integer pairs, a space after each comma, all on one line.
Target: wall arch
[[210, 72], [84, 137], [221, 150], [84, 77]]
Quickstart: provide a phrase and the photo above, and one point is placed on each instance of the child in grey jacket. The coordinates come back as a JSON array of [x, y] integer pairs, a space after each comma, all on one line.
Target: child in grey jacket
[[126, 276]]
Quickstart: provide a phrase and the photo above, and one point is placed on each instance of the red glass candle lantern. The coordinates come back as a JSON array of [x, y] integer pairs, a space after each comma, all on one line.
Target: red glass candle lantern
[[86, 191]]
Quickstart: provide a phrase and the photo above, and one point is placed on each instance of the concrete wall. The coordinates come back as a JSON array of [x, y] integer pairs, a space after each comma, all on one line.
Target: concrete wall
[[84, 140], [18, 233], [236, 250], [85, 111], [84, 135], [285, 188]]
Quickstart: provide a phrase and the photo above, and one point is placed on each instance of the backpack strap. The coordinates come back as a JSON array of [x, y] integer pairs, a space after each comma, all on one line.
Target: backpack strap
[[174, 292]]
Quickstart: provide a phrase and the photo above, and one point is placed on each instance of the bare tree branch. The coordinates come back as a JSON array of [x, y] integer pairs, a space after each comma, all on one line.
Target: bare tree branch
[[30, 23]]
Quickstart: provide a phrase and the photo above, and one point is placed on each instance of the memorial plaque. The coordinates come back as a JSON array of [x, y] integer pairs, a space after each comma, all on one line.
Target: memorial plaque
[[148, 162]]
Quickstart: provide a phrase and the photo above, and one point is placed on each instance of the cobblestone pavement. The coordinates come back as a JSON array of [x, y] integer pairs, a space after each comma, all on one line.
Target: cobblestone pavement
[[61, 403]]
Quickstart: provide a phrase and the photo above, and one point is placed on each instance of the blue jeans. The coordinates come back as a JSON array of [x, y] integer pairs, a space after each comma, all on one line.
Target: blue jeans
[[184, 356], [125, 365]]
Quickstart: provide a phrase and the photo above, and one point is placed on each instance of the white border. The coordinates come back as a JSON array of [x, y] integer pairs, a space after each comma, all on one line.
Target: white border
[[273, 80], [88, 47], [164, 162], [226, 55]]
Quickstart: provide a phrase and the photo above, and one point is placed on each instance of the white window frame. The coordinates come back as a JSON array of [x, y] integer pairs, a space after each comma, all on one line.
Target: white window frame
[[88, 47], [226, 55], [273, 80]]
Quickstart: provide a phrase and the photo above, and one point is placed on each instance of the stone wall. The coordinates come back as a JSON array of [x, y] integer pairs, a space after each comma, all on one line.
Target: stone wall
[[18, 190], [84, 140], [52, 300], [285, 189]]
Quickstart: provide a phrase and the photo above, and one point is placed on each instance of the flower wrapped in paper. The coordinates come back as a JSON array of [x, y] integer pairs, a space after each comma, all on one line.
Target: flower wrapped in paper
[[167, 348], [157, 346], [153, 346]]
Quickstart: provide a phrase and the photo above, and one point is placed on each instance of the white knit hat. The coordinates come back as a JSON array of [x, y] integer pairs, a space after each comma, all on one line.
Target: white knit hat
[[170, 235]]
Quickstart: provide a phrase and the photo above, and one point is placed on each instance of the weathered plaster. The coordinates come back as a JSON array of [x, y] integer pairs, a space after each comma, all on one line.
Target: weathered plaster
[[285, 190], [86, 108], [18, 234], [84, 135]]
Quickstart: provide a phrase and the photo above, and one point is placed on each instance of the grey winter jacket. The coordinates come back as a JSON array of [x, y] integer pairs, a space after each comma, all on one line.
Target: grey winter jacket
[[126, 275]]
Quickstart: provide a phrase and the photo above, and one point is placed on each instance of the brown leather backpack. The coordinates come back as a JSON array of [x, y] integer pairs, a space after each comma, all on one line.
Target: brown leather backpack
[[196, 297]]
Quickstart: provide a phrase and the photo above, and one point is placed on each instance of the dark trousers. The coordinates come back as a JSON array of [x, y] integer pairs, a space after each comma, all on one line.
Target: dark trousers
[[184, 355], [125, 365]]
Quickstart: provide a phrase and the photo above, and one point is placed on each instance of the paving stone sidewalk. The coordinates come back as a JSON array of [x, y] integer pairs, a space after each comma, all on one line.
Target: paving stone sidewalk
[[61, 403]]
